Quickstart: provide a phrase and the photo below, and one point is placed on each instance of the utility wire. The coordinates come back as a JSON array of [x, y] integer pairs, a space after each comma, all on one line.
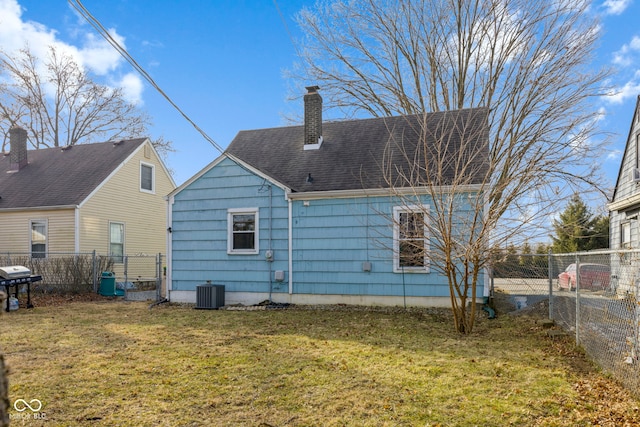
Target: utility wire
[[79, 7], [286, 27]]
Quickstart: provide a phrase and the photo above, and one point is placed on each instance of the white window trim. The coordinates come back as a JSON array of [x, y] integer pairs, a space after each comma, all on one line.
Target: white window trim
[[625, 244], [153, 178], [124, 240], [396, 242], [243, 211], [44, 222]]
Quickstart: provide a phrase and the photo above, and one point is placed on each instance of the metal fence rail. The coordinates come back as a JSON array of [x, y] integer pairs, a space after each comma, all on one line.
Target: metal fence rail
[[599, 306]]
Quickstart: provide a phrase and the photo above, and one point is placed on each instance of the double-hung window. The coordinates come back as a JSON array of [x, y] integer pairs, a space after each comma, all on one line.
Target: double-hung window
[[242, 231], [38, 238], [410, 239], [116, 241], [147, 177], [625, 235]]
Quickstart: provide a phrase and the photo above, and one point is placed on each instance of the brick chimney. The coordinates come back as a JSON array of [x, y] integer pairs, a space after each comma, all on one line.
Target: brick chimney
[[18, 147], [312, 118]]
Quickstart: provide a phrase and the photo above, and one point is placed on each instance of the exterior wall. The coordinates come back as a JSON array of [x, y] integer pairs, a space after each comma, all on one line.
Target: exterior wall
[[15, 230], [120, 199], [625, 207], [331, 239], [199, 232]]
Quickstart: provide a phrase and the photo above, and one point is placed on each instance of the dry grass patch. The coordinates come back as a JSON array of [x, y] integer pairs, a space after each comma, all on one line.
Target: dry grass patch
[[116, 363]]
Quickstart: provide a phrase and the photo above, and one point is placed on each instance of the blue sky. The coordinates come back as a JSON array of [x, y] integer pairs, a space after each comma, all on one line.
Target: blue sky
[[222, 62]]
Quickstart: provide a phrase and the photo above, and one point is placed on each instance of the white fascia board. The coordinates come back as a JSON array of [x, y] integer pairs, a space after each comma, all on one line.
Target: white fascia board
[[625, 203], [215, 163], [338, 194], [258, 173]]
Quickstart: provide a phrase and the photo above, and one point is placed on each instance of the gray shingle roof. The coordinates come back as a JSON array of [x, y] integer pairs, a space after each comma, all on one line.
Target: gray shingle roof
[[359, 154], [57, 177]]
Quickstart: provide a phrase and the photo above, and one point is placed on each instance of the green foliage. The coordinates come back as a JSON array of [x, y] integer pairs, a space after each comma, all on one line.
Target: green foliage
[[577, 229]]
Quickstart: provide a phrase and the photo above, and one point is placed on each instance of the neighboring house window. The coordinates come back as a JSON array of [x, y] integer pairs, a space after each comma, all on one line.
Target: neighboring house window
[[38, 238], [147, 177], [116, 241], [242, 225], [625, 235], [410, 239]]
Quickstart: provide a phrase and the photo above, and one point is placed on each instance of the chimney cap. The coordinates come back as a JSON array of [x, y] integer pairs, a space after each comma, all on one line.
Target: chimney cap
[[312, 89]]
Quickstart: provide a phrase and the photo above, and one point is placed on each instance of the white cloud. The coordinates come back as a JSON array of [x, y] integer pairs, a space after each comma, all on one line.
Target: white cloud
[[614, 155], [623, 56], [95, 55], [131, 87], [615, 7], [98, 55], [627, 91]]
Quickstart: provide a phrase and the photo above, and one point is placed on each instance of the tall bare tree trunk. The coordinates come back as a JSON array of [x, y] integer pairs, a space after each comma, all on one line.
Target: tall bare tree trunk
[[4, 394]]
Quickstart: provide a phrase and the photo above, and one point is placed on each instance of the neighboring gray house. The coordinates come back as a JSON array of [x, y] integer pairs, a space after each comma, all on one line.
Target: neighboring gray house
[[625, 206], [301, 214]]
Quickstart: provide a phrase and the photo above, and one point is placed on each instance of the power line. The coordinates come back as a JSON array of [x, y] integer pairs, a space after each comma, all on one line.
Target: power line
[[79, 7], [286, 27]]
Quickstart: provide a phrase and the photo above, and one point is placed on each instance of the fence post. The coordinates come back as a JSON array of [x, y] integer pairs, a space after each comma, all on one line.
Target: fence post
[[577, 299], [126, 274], [94, 271], [550, 273], [159, 277]]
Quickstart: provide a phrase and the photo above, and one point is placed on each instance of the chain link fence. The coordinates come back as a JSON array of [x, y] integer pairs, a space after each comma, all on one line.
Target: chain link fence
[[593, 296], [137, 277]]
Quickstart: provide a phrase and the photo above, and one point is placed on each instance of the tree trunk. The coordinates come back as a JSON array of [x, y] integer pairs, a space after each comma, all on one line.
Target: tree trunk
[[4, 394]]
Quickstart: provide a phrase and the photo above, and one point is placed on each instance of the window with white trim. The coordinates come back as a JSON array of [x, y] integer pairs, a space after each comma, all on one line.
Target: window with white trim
[[147, 177], [410, 239], [625, 235], [38, 238], [242, 226], [116, 241]]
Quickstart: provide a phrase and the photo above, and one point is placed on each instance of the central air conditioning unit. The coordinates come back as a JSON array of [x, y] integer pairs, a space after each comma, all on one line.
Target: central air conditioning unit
[[209, 297]]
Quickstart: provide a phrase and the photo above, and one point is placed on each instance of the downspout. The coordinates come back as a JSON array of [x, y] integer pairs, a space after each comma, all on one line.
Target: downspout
[[169, 257], [270, 259], [290, 226]]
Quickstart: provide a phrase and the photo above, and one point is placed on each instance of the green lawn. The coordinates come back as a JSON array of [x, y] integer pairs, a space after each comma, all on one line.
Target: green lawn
[[118, 363]]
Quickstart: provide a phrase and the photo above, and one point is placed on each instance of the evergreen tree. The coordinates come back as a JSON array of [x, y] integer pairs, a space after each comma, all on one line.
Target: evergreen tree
[[578, 230]]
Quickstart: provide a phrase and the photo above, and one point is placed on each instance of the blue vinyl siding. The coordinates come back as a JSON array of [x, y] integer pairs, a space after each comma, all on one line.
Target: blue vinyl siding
[[333, 237], [331, 240], [199, 231]]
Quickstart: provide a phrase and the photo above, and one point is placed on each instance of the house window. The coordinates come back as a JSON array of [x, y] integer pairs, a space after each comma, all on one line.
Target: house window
[[625, 235], [410, 239], [147, 177], [242, 231], [116, 241], [38, 238]]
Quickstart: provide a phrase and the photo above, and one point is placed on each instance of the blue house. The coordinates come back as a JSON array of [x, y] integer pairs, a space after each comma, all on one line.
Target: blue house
[[310, 214]]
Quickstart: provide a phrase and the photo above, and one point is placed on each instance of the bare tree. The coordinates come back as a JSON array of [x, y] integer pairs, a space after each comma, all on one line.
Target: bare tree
[[58, 103], [527, 62]]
